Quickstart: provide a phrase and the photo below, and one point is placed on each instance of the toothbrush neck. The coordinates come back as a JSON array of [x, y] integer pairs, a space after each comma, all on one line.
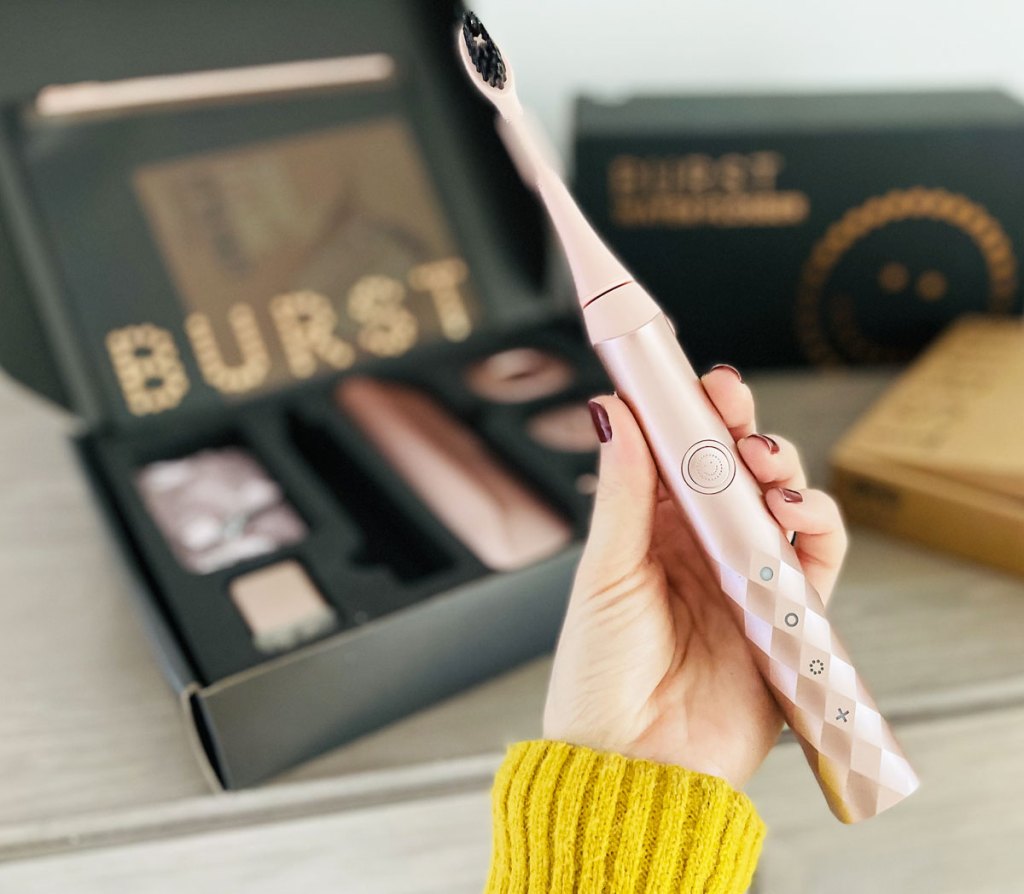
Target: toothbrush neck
[[594, 267]]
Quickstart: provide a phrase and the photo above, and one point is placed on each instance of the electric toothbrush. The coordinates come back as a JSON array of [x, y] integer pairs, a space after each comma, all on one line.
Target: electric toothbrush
[[858, 763]]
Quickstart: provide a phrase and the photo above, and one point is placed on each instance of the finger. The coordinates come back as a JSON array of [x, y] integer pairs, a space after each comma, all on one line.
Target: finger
[[627, 490], [772, 461], [733, 399], [821, 536]]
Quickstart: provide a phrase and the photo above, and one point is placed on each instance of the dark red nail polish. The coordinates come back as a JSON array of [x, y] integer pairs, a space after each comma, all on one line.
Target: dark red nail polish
[[729, 367], [791, 496], [769, 442], [602, 424]]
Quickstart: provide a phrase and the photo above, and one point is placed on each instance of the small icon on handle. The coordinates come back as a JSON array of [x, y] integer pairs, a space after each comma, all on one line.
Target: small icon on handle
[[817, 667], [842, 715]]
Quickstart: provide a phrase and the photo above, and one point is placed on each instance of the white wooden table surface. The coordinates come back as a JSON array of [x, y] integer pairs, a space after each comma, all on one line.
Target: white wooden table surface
[[97, 783]]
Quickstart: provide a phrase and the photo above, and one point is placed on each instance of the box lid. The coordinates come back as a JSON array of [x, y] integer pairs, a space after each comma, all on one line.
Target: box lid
[[956, 413], [84, 268], [768, 113]]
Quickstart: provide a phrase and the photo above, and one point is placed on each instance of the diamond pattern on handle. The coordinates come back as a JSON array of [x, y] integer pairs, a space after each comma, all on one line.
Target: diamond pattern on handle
[[858, 763]]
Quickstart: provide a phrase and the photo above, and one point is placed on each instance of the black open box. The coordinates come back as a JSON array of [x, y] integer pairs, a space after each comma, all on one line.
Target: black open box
[[418, 616]]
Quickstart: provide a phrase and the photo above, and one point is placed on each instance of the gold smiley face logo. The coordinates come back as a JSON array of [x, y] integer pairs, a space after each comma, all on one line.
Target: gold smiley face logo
[[893, 262]]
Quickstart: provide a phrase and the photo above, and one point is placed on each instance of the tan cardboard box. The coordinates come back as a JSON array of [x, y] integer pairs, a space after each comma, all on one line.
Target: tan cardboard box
[[940, 458]]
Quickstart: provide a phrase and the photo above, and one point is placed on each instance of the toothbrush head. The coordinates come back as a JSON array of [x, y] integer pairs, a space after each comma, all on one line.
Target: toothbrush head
[[486, 66], [483, 52], [595, 270]]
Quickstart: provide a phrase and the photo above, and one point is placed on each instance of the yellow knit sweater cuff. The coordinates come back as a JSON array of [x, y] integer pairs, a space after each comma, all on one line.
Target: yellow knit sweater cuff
[[568, 819]]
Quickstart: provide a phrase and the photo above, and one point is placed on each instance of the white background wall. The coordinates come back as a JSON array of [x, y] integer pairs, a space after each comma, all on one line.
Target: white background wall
[[560, 48]]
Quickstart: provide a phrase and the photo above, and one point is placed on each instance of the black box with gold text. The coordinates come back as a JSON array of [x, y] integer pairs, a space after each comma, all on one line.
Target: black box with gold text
[[787, 230]]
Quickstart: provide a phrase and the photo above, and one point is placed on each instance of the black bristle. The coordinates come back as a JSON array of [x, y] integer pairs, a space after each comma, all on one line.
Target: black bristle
[[483, 51]]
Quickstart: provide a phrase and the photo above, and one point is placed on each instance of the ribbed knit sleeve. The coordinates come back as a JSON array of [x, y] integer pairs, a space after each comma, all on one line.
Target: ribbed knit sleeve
[[568, 819]]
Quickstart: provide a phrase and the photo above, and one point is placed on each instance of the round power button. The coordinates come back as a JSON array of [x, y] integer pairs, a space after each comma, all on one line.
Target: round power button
[[708, 467]]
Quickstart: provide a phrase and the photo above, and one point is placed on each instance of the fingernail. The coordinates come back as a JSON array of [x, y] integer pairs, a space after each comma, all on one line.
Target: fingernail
[[602, 424], [727, 366], [791, 496], [770, 443]]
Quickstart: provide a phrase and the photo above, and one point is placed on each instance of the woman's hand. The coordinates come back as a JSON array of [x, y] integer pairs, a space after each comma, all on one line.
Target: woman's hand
[[651, 662]]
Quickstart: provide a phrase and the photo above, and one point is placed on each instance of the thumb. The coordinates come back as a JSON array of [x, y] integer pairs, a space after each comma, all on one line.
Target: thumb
[[627, 493]]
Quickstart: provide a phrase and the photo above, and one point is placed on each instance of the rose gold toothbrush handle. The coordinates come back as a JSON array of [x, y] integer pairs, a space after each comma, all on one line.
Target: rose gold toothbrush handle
[[857, 761]]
